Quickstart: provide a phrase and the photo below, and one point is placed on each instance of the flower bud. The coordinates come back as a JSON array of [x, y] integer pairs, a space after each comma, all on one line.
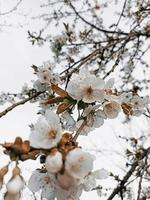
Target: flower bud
[[3, 171], [79, 163], [16, 183], [54, 162]]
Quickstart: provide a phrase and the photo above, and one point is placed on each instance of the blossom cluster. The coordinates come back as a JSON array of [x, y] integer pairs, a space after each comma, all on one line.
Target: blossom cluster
[[84, 105], [70, 171], [98, 101], [45, 73], [67, 165]]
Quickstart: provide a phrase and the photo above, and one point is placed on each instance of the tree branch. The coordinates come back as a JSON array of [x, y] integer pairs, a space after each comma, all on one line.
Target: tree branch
[[146, 34], [18, 104], [120, 187]]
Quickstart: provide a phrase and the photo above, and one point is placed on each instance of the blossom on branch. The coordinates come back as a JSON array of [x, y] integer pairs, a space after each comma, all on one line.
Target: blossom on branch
[[45, 73], [54, 162], [86, 87], [47, 131], [79, 163]]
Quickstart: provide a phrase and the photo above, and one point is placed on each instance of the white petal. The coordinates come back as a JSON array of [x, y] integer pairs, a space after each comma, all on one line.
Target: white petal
[[89, 182], [54, 162], [48, 192], [79, 163], [52, 117], [35, 181], [16, 181], [109, 84], [101, 174]]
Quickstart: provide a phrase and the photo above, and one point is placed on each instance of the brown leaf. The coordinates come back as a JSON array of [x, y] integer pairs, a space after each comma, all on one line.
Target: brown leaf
[[62, 107], [54, 100], [59, 90]]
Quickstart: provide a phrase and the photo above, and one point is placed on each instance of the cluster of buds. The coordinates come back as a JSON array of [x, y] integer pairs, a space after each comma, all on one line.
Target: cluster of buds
[[65, 170], [69, 160], [20, 150]]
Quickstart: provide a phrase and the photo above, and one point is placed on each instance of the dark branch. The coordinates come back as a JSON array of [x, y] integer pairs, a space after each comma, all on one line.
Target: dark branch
[[121, 186], [18, 104]]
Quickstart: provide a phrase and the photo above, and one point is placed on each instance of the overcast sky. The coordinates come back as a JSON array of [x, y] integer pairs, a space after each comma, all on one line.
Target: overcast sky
[[16, 57]]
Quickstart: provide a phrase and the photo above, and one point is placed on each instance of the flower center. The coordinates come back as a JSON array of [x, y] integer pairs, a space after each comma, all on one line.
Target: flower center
[[52, 134], [47, 180], [89, 90]]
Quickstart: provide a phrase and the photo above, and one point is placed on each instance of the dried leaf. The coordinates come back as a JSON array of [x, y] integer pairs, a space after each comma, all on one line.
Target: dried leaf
[[59, 90], [54, 100], [62, 107]]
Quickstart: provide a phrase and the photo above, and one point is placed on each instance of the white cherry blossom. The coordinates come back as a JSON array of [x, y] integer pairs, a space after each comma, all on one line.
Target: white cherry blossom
[[79, 163], [109, 84], [126, 97], [68, 121], [138, 104], [45, 73], [42, 181], [54, 188], [111, 109], [89, 182], [47, 131], [54, 162], [87, 88], [94, 119]]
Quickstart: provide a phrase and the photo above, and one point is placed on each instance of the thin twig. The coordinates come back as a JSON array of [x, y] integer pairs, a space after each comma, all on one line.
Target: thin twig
[[19, 103], [121, 15], [79, 130], [141, 179], [146, 34], [13, 9], [81, 62], [92, 25]]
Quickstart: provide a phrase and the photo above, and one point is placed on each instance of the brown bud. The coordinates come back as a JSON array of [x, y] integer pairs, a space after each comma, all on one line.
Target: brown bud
[[18, 141], [26, 146], [11, 196], [16, 171], [3, 171], [65, 138]]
